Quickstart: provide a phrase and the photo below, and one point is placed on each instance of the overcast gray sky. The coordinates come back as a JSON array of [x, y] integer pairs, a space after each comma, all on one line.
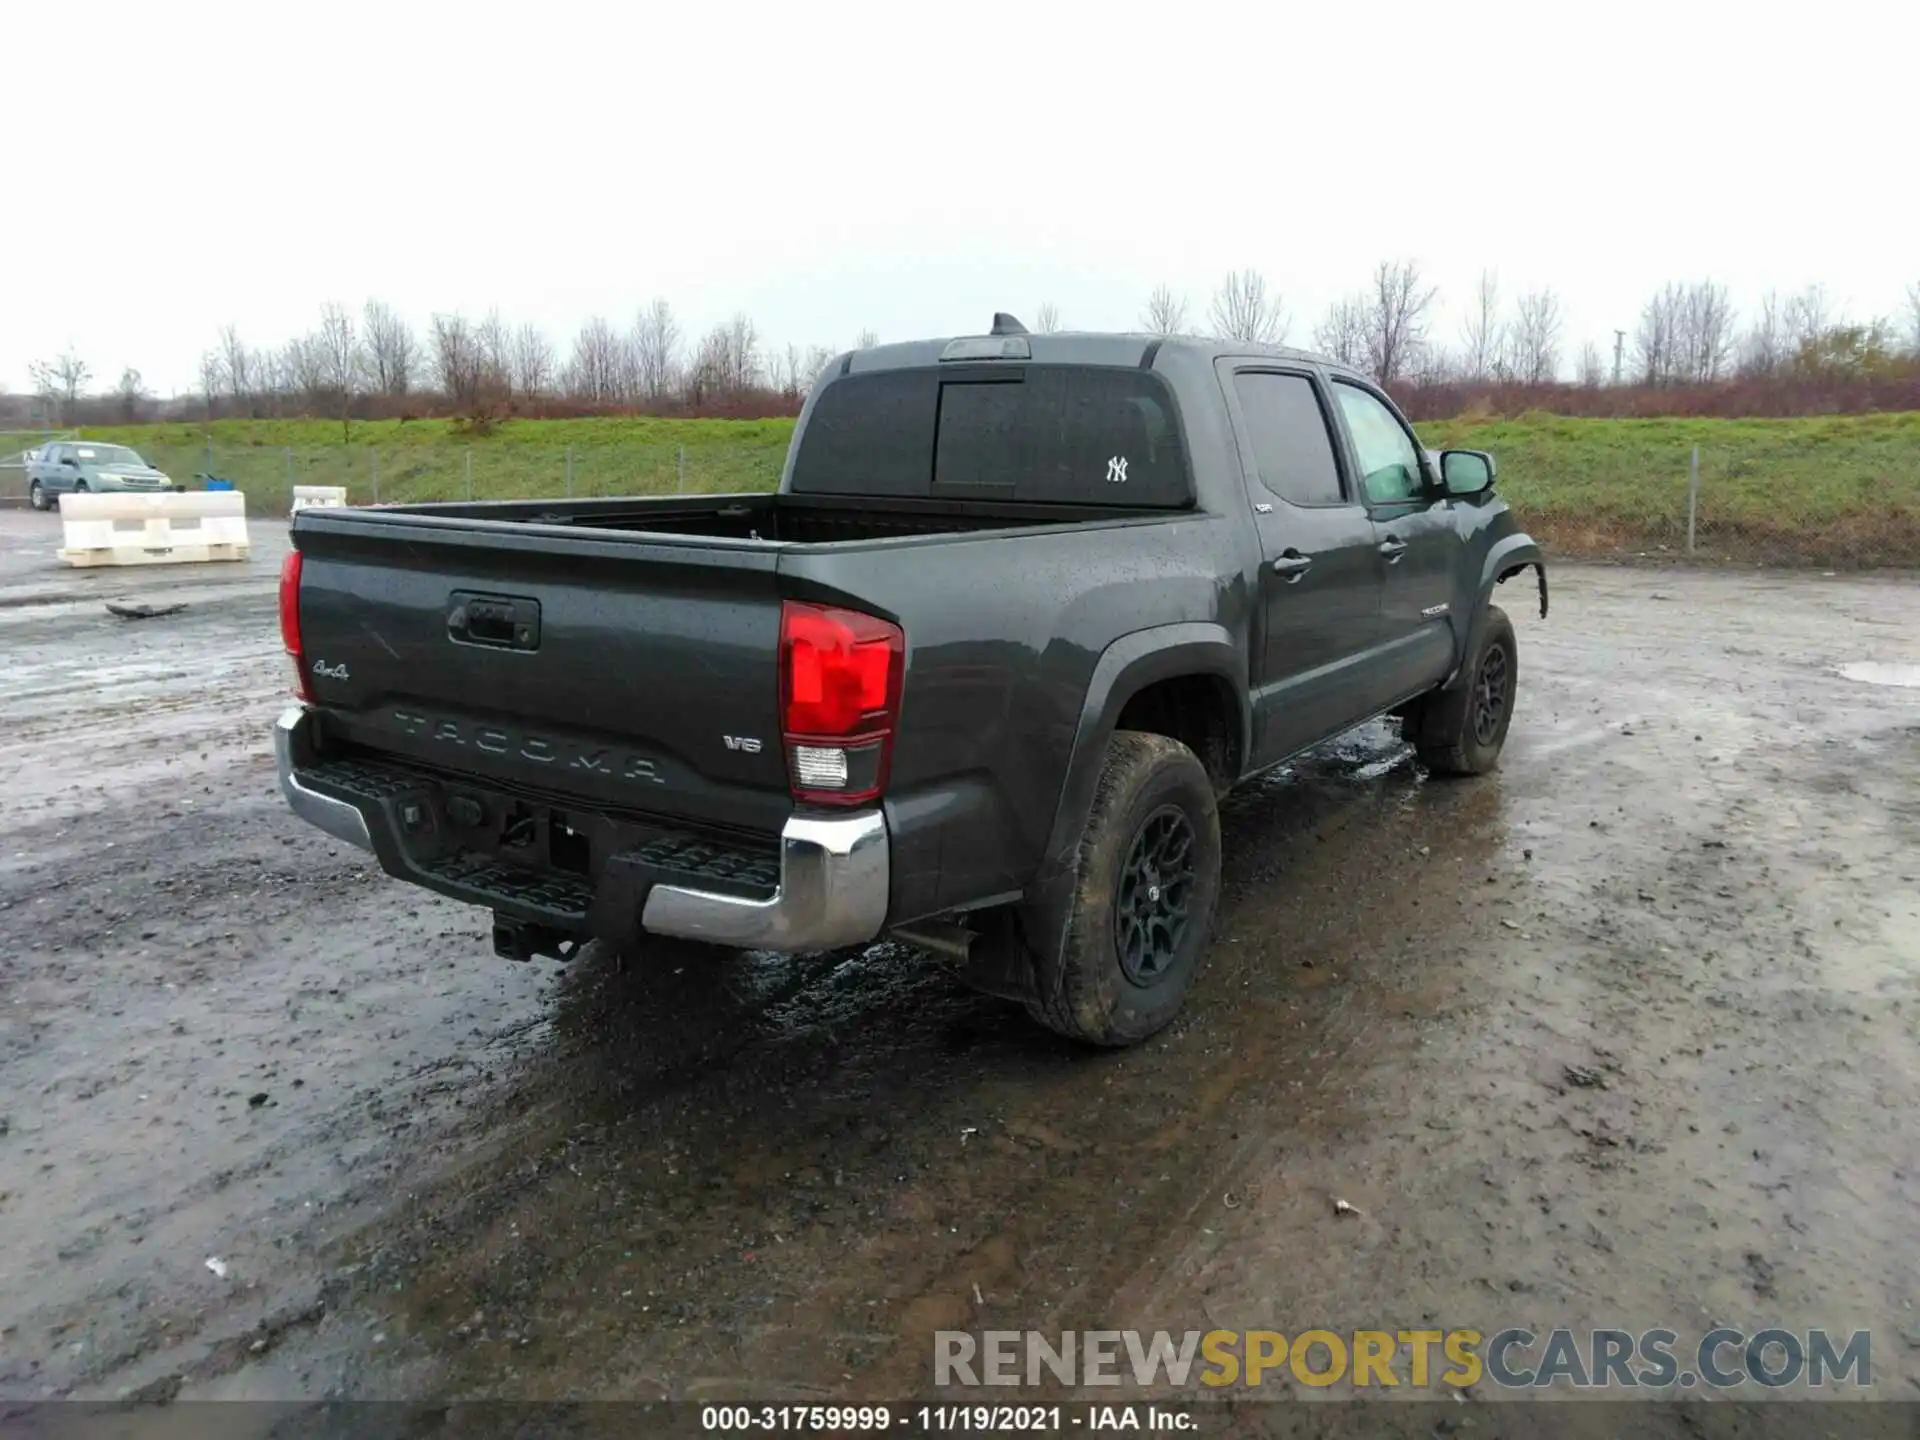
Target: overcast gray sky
[[911, 167]]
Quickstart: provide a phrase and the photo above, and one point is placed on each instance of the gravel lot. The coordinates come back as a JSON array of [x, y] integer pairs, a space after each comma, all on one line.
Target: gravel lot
[[1622, 1035]]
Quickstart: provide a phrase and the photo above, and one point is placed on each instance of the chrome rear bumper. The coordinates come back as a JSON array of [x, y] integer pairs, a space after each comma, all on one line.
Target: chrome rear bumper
[[336, 817], [834, 870], [833, 891]]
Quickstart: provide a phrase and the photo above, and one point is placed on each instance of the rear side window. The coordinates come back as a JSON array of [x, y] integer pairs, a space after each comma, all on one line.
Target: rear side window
[[1086, 435], [1291, 442], [870, 435]]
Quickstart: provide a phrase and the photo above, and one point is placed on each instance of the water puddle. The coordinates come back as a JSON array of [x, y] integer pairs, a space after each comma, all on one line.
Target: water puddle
[[1880, 672]]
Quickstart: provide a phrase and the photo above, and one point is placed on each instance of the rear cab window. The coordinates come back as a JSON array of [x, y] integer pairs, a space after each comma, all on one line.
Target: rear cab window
[[1062, 434]]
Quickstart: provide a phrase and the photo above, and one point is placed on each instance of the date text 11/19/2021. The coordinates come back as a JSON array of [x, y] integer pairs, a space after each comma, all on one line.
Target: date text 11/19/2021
[[945, 1419]]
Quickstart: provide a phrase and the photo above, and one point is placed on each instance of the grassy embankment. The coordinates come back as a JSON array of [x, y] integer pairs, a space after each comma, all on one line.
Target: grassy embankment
[[400, 460], [1839, 490], [1830, 490]]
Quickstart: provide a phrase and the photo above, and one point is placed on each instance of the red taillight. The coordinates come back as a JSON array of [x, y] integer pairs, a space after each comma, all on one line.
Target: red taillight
[[290, 621], [839, 701]]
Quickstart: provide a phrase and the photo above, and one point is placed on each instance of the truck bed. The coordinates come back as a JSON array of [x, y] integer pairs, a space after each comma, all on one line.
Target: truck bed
[[783, 519]]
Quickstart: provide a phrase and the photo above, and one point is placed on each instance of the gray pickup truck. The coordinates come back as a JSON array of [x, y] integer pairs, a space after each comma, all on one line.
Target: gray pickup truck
[[1023, 608]]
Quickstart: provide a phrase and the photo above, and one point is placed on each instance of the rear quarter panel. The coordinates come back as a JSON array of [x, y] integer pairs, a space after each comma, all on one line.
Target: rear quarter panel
[[1004, 632]]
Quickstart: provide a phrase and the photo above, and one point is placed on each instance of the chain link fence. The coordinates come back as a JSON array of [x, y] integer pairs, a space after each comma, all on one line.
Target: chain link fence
[[1728, 507]]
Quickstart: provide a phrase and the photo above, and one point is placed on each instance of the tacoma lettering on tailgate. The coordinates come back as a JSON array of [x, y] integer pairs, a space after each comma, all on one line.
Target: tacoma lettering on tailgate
[[539, 749]]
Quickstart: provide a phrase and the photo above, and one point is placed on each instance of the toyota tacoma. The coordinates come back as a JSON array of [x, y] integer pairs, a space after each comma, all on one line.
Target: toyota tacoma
[[1022, 609]]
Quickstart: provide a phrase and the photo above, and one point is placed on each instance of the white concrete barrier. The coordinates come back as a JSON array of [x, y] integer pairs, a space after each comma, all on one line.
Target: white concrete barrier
[[306, 496], [159, 529]]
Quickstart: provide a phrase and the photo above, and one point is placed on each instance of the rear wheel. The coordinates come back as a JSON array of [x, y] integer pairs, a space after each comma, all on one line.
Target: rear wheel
[[1145, 885], [36, 497], [1461, 732]]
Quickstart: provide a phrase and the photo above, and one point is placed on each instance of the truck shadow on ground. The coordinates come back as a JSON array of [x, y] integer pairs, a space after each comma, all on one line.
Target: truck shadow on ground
[[816, 1160], [640, 1026]]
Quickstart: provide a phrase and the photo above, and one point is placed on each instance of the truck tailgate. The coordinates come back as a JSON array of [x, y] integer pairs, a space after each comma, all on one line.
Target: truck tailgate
[[634, 672]]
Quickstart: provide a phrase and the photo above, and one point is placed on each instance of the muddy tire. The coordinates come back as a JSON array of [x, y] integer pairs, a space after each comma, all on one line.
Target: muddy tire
[[1145, 884], [1461, 732], [36, 497]]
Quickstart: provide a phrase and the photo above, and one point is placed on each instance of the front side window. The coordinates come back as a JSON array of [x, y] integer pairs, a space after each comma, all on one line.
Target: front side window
[[1389, 463]]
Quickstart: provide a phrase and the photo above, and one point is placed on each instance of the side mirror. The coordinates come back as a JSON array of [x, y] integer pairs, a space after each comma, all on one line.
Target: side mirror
[[1466, 472]]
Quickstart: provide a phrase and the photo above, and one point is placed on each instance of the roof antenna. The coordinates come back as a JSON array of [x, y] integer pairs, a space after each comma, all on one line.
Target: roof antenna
[[1005, 324]]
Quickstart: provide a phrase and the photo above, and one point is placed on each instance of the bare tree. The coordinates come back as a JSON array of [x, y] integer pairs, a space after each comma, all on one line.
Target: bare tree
[[866, 340], [237, 362], [532, 362], [306, 367], [1343, 332], [391, 349], [60, 381], [1656, 340], [1397, 306], [1913, 320], [343, 361], [1434, 365], [1535, 343], [656, 349], [495, 344], [212, 380], [1166, 312], [593, 372], [131, 391], [456, 358], [1592, 369], [1484, 333], [1242, 310], [706, 375], [743, 355], [1704, 339], [790, 373], [1808, 317], [1046, 320], [726, 364], [1763, 348], [818, 358], [1686, 334]]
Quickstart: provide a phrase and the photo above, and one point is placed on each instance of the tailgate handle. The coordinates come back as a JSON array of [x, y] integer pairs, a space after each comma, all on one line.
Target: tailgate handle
[[505, 622]]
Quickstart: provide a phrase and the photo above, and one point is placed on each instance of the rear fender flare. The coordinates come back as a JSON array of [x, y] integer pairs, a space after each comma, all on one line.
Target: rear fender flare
[[1128, 665]]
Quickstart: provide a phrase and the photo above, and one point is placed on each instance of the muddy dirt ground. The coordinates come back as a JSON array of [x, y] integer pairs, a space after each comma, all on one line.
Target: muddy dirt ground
[[1622, 1035]]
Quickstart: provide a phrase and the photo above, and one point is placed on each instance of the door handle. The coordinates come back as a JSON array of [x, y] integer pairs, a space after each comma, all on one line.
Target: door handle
[[1393, 548], [1293, 565]]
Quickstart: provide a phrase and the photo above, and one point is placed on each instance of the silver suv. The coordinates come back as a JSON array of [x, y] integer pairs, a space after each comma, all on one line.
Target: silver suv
[[83, 465]]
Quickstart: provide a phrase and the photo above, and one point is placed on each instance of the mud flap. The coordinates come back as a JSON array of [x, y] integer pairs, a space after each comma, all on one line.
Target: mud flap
[[999, 963]]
